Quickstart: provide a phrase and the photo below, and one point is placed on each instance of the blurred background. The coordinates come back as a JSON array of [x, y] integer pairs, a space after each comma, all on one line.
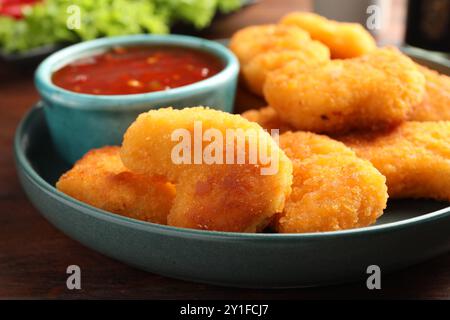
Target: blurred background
[[31, 29]]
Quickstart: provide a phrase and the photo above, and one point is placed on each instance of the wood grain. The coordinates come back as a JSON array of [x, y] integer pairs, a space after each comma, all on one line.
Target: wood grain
[[34, 255]]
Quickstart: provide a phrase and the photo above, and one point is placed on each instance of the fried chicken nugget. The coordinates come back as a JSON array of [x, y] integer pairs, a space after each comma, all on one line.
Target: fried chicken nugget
[[332, 190], [414, 157], [436, 104], [268, 119], [251, 41], [369, 92], [211, 195], [256, 70], [345, 40], [262, 49], [101, 180]]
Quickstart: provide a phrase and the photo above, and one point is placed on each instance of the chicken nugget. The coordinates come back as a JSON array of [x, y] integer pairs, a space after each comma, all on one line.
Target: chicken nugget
[[214, 159], [268, 119], [257, 69], [332, 190], [101, 180], [345, 40], [436, 104], [414, 157], [373, 91], [251, 41]]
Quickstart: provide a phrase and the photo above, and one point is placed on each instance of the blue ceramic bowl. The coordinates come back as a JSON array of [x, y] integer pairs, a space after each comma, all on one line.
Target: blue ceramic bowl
[[79, 122]]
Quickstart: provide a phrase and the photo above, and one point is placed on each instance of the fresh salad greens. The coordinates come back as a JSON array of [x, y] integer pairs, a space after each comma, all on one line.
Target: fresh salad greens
[[56, 21]]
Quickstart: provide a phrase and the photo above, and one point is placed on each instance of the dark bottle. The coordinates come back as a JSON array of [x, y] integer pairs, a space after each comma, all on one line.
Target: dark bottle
[[428, 24]]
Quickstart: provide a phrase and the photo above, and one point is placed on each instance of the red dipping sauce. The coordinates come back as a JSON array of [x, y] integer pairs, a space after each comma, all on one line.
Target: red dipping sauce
[[131, 70]]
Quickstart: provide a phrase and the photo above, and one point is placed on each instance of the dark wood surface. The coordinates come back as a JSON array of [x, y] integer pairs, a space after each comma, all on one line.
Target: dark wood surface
[[34, 255]]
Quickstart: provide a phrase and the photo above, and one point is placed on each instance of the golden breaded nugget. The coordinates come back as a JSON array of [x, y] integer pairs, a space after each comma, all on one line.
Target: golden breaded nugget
[[251, 41], [224, 195], [436, 104], [414, 157], [267, 118], [257, 69], [373, 91], [332, 190], [101, 180], [345, 40]]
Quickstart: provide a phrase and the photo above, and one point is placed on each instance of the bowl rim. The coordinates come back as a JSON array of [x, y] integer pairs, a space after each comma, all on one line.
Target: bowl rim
[[26, 168], [47, 88]]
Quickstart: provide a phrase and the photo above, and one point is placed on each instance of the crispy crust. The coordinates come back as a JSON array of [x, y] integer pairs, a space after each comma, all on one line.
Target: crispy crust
[[333, 189], [436, 104], [371, 92], [268, 119], [224, 197], [101, 180], [251, 41], [414, 157], [345, 40]]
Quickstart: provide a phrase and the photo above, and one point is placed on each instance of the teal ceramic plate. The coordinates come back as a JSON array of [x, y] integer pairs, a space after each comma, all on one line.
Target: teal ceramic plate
[[409, 232]]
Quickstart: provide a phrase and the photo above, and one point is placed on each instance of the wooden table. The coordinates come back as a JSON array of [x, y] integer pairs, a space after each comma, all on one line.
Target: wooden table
[[34, 255]]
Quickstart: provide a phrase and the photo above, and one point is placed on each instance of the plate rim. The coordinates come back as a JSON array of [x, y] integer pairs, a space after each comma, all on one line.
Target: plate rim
[[23, 164]]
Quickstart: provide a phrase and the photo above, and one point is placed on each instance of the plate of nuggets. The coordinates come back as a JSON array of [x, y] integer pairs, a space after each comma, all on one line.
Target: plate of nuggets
[[345, 167]]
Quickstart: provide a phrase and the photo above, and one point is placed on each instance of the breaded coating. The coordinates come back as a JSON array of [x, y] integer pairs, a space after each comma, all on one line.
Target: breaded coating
[[436, 104], [374, 91], [262, 49], [345, 40], [414, 157], [101, 180], [251, 41], [257, 69], [332, 190], [218, 195], [268, 119]]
